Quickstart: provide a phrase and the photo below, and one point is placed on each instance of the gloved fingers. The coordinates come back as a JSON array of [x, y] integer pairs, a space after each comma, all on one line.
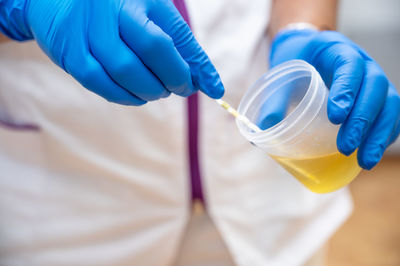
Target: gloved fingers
[[276, 105], [384, 131], [271, 113], [87, 71], [204, 74], [121, 63], [368, 105], [348, 68], [156, 50]]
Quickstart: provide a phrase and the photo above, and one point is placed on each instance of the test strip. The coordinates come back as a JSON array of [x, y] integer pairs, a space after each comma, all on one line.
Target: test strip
[[236, 114]]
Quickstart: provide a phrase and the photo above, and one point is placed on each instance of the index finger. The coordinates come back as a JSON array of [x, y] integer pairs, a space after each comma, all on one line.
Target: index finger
[[204, 74], [348, 70]]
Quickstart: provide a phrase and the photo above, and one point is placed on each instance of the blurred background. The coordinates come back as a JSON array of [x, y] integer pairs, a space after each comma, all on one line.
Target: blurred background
[[372, 235]]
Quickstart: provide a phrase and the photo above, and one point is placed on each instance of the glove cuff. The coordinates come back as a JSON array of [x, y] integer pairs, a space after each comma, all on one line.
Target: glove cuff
[[13, 20]]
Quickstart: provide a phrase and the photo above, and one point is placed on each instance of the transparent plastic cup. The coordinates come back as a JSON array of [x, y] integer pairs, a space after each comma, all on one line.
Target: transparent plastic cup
[[290, 104]]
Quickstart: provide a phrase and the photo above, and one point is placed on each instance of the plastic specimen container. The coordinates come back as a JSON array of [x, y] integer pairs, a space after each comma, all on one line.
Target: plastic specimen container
[[289, 104]]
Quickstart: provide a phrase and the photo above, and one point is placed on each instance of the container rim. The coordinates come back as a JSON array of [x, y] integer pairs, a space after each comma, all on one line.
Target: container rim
[[300, 110]]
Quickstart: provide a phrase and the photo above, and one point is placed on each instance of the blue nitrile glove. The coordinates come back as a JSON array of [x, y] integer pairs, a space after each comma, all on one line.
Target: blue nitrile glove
[[361, 98], [127, 51]]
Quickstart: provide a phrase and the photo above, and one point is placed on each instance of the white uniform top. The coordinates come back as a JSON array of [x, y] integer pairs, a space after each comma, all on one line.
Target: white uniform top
[[106, 184]]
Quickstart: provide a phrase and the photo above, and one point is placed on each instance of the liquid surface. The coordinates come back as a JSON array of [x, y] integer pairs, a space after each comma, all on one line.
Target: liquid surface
[[323, 174]]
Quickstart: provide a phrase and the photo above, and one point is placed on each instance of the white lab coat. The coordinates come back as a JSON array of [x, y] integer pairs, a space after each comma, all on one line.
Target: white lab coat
[[102, 184]]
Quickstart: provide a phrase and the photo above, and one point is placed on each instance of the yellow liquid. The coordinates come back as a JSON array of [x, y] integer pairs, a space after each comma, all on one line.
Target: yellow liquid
[[323, 174]]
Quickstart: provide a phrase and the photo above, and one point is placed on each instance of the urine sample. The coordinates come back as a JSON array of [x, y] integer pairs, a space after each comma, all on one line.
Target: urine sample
[[289, 104], [322, 174]]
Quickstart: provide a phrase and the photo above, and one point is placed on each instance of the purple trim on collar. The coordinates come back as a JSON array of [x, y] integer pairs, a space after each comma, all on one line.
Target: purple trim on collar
[[22, 127], [193, 132], [193, 127]]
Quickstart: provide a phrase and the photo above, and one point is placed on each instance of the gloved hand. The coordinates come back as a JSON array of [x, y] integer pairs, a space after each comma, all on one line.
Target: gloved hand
[[127, 51], [361, 98]]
